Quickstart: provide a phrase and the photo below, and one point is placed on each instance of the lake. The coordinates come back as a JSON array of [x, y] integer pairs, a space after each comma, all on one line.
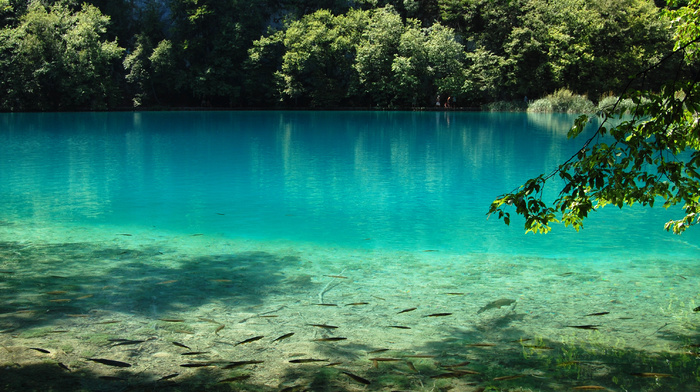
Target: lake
[[208, 229]]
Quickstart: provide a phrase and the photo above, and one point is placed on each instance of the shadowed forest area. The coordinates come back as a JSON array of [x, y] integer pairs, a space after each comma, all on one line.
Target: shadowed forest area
[[122, 54]]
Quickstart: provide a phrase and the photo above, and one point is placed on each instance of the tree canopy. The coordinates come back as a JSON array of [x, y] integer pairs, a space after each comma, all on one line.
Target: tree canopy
[[321, 53], [643, 156]]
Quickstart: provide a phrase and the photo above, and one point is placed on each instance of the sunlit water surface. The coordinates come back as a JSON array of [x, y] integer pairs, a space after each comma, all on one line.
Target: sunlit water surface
[[282, 208]]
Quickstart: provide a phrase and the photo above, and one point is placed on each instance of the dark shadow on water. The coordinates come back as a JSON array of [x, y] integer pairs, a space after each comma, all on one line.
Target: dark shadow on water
[[43, 284]]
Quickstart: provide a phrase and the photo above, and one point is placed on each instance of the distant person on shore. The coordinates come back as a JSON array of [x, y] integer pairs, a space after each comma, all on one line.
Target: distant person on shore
[[448, 102], [437, 101]]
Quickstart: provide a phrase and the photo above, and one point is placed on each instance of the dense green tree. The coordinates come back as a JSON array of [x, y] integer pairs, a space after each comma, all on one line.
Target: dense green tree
[[654, 156], [55, 59]]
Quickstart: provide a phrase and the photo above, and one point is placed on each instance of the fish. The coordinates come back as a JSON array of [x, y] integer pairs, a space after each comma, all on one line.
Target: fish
[[333, 339], [108, 322], [236, 378], [169, 320], [454, 293], [109, 362], [431, 250], [112, 378], [357, 378], [196, 234], [168, 281], [357, 303], [78, 315], [285, 336], [697, 309], [407, 310], [197, 364], [249, 340], [63, 366], [588, 388], [465, 363], [420, 356], [236, 364], [379, 350], [513, 377], [438, 315], [195, 353], [481, 345], [398, 327], [168, 377], [598, 314], [60, 300], [56, 292], [594, 327], [208, 320], [657, 375], [220, 280], [323, 326], [383, 359], [327, 304], [124, 234], [497, 304], [85, 296], [41, 350], [181, 345], [219, 328], [307, 360], [332, 364], [411, 367], [535, 347], [336, 276]]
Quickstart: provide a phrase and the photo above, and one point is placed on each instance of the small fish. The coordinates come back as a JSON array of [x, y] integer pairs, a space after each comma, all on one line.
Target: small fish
[[333, 339], [357, 303], [598, 314], [110, 362], [431, 250], [236, 378], [481, 345], [411, 367], [307, 360], [195, 353], [108, 322], [196, 364], [168, 281], [181, 345], [285, 336], [63, 366], [379, 350], [465, 363], [513, 377], [127, 342], [407, 310], [323, 326], [219, 328], [535, 347], [249, 340], [332, 364], [419, 356], [85, 296], [197, 234], [697, 309], [78, 315], [269, 316], [497, 304], [454, 293], [438, 315], [336, 276], [588, 388], [60, 300], [398, 327], [657, 375], [327, 304], [383, 359], [57, 292], [124, 234], [208, 320], [168, 377], [169, 320], [112, 378], [357, 378], [41, 350], [236, 364], [220, 213], [594, 327]]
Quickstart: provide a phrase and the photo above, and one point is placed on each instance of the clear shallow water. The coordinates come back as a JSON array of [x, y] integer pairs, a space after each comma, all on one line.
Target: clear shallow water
[[208, 229], [367, 180]]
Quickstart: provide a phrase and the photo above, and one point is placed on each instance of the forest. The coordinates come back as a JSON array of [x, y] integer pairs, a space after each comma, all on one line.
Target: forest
[[126, 54]]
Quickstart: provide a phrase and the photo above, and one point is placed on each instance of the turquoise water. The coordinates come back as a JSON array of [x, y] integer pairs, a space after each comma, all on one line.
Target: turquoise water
[[396, 181], [211, 228]]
